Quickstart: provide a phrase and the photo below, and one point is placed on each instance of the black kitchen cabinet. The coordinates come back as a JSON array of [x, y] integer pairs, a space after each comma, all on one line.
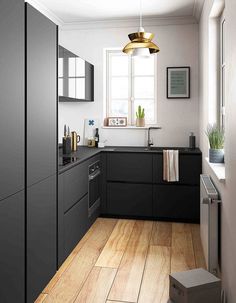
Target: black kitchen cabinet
[[125, 199], [11, 97], [41, 98], [12, 251], [75, 224], [176, 202], [129, 167], [189, 168], [41, 142], [75, 185], [75, 78], [12, 204], [41, 236]]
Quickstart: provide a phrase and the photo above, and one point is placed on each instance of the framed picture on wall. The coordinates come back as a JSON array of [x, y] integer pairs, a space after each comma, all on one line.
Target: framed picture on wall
[[178, 82]]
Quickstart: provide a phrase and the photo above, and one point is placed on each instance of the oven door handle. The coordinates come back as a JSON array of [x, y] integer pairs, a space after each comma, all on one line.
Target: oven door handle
[[95, 174]]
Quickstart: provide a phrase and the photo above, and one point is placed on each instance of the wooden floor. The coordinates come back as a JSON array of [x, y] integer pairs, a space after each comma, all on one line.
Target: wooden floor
[[125, 261]]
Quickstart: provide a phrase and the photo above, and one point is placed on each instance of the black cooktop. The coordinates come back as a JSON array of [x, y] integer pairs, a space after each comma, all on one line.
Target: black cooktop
[[67, 160]]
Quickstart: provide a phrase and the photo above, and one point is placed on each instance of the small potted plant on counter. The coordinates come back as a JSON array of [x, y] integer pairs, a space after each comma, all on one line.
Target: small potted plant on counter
[[216, 140], [140, 117]]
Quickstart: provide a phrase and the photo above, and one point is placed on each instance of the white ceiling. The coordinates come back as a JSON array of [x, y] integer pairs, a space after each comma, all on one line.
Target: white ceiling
[[75, 11]]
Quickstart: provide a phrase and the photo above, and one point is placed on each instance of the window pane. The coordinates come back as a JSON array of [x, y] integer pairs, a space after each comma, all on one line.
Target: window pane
[[71, 67], [144, 87], [60, 87], [60, 67], [119, 65], [143, 66], [119, 87], [149, 108], [119, 108], [80, 88], [80, 67], [72, 88]]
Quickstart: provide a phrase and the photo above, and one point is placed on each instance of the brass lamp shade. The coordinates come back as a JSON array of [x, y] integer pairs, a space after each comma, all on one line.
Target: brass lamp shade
[[141, 40]]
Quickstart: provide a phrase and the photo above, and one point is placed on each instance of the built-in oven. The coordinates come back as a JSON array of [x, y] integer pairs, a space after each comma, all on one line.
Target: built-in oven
[[94, 191]]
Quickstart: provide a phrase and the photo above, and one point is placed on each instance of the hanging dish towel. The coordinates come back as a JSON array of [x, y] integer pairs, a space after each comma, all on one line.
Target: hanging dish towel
[[171, 165]]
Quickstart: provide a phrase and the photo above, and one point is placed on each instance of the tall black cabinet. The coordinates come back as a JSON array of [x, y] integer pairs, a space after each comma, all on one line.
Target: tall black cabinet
[[41, 172], [28, 153], [12, 226]]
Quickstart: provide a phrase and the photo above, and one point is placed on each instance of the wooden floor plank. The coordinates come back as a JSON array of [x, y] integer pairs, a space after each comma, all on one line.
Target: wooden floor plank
[[97, 286], [155, 284], [116, 244], [70, 258], [161, 234], [182, 257], [197, 246], [68, 286], [41, 298], [129, 276]]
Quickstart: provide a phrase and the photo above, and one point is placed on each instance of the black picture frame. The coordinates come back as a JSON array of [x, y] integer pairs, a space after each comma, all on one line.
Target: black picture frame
[[181, 85]]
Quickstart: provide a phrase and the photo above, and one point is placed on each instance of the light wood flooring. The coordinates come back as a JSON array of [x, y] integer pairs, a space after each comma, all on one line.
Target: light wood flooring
[[125, 261]]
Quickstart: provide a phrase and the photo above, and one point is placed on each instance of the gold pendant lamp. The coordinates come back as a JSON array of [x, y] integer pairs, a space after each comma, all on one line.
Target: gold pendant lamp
[[141, 42]]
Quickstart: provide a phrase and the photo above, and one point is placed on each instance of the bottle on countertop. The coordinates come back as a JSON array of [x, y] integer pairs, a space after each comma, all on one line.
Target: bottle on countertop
[[66, 141], [192, 141], [96, 137]]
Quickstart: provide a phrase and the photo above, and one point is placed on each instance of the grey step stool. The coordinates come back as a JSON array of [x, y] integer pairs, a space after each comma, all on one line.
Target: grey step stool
[[194, 286]]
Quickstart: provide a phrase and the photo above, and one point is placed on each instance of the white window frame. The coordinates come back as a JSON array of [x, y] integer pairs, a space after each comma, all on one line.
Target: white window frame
[[107, 84], [222, 70]]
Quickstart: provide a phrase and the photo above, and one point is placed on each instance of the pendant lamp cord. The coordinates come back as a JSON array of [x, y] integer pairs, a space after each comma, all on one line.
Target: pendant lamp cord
[[140, 13]]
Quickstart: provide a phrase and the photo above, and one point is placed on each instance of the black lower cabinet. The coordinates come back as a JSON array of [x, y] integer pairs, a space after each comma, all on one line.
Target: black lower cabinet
[[129, 199], [177, 202], [75, 224], [41, 236], [12, 249]]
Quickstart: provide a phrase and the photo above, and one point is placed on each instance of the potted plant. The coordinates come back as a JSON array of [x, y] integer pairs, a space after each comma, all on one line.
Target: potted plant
[[140, 117], [216, 140]]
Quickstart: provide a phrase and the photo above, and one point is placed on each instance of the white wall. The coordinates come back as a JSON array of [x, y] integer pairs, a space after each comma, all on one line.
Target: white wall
[[179, 47], [227, 190]]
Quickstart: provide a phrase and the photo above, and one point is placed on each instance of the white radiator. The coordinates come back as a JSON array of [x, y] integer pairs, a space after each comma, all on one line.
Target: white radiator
[[209, 223]]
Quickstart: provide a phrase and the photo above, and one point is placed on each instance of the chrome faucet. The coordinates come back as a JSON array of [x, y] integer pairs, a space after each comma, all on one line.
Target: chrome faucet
[[150, 143]]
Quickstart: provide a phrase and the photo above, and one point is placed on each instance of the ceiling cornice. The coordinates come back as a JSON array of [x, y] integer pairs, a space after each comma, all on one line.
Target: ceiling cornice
[[197, 9], [129, 22], [121, 23], [47, 12]]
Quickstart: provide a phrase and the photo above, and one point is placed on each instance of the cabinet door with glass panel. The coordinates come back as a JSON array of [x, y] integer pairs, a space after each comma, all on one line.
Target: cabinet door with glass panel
[[130, 82], [75, 77]]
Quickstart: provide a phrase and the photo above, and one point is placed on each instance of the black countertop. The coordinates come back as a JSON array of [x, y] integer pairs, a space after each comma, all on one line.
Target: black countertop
[[84, 153]]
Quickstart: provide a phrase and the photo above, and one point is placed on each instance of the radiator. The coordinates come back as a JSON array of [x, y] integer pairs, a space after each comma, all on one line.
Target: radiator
[[209, 222]]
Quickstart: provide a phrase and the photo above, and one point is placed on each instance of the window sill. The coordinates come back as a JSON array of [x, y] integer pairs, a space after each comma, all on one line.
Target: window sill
[[128, 127], [218, 170]]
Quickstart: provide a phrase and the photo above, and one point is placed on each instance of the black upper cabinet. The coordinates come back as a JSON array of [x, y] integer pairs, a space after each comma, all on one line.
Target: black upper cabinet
[[41, 96], [11, 97], [75, 78]]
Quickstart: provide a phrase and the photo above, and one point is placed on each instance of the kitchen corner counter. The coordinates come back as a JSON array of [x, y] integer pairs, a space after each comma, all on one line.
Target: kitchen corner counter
[[84, 153]]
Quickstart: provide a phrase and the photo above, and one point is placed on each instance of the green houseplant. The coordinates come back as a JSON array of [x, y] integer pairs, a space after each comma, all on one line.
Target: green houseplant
[[140, 117], [216, 141]]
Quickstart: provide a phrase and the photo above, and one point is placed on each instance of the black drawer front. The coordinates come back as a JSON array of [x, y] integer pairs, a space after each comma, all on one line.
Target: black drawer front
[[129, 199], [75, 224], [129, 167], [176, 202], [75, 184], [190, 168]]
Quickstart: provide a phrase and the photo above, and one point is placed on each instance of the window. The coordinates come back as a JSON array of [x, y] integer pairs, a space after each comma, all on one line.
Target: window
[[130, 82], [222, 71]]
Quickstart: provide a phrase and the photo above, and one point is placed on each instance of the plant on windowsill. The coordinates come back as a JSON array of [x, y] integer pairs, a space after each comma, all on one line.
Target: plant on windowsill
[[216, 140], [140, 117]]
